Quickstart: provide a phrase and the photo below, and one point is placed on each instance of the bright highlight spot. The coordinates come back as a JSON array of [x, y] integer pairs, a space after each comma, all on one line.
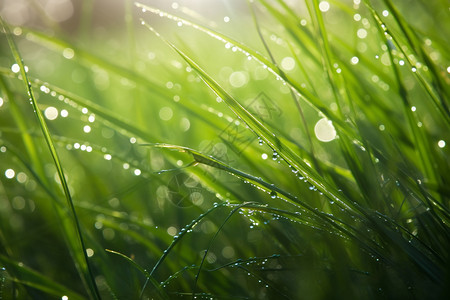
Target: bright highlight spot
[[324, 130], [226, 19], [68, 53], [354, 60], [185, 124], [10, 173], [59, 10], [87, 128], [165, 113], [288, 63], [264, 156], [107, 156], [172, 230], [385, 13], [15, 68], [64, 113], [361, 33], [64, 298], [238, 79], [441, 144], [51, 113], [137, 172], [1, 102], [324, 6], [89, 252]]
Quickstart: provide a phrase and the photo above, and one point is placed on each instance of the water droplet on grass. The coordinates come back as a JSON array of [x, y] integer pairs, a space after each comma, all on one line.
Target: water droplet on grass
[[274, 155], [15, 68], [324, 130]]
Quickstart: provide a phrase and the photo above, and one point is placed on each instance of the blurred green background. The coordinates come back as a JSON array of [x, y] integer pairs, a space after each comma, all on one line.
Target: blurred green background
[[109, 89]]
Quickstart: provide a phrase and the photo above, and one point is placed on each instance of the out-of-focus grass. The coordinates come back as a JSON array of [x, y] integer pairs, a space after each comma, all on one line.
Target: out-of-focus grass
[[265, 150]]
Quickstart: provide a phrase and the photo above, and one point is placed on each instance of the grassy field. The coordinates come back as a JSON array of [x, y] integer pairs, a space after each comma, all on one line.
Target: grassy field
[[260, 149]]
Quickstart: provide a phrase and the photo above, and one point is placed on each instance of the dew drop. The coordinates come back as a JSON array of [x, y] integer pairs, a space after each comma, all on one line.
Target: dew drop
[[274, 155], [15, 68]]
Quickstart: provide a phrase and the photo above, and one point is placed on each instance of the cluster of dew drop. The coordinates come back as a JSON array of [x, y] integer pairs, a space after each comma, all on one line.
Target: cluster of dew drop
[[257, 264], [228, 44], [236, 48], [51, 114]]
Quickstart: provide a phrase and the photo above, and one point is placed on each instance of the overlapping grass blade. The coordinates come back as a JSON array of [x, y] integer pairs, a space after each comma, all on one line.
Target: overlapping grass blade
[[81, 258], [26, 276]]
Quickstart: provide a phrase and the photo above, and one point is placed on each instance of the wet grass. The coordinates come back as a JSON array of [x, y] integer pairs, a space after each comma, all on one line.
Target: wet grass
[[175, 155]]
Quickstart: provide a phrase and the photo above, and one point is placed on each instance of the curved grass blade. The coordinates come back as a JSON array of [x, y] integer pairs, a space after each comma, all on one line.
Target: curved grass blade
[[175, 240], [89, 59], [211, 243], [155, 284]]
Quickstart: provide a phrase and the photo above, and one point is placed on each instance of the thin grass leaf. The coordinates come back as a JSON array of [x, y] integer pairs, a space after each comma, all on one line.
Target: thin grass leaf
[[155, 284]]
